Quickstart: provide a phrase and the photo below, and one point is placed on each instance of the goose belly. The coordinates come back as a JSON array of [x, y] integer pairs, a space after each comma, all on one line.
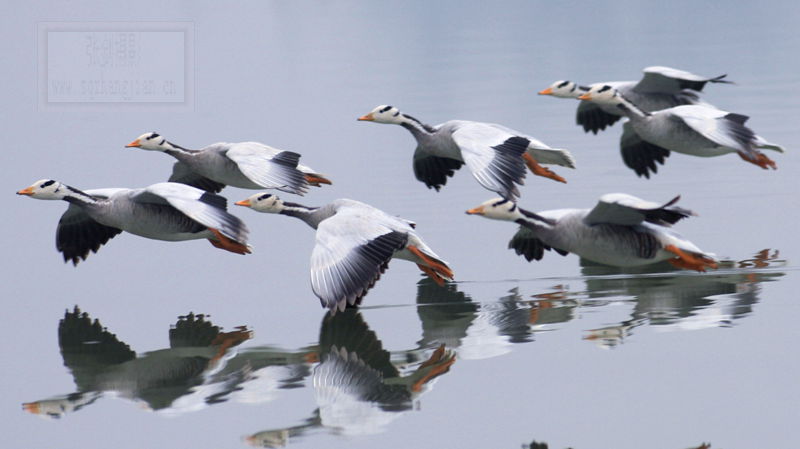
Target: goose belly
[[616, 245], [680, 139], [223, 170], [159, 222]]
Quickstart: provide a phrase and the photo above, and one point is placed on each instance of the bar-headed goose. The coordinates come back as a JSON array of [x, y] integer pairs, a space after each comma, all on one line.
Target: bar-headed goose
[[164, 211], [495, 155], [247, 165], [659, 88], [354, 245], [621, 230], [697, 130]]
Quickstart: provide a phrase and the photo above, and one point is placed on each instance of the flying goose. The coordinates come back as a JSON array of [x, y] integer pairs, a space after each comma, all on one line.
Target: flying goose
[[247, 165], [621, 230], [697, 130], [495, 155], [659, 88], [164, 211], [354, 245]]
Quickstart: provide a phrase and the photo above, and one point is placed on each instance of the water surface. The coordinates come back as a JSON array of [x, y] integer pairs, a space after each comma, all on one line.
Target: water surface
[[559, 351]]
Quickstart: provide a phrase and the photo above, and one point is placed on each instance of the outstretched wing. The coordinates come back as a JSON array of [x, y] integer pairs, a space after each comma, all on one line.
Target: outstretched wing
[[493, 155], [269, 167], [525, 243], [77, 233], [206, 208], [183, 174], [593, 118], [434, 170], [628, 210], [639, 155], [353, 248], [659, 79]]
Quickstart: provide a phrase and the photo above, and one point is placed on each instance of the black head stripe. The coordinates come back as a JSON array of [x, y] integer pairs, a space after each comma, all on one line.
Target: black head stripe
[[503, 201], [604, 88], [47, 183], [563, 84], [264, 196], [385, 109]]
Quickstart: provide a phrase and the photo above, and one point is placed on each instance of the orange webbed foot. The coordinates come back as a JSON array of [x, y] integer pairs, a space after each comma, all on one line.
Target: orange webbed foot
[[761, 160], [317, 180], [689, 261], [227, 244], [538, 170], [436, 269]]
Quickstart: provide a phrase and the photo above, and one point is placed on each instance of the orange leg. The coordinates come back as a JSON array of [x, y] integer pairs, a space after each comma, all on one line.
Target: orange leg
[[438, 364], [761, 160], [227, 244], [689, 261], [440, 269], [432, 274], [538, 170], [227, 340], [316, 180], [533, 316]]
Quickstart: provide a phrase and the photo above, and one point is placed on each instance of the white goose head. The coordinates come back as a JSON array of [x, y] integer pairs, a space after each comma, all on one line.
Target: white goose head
[[563, 89], [263, 202], [384, 114], [602, 93], [46, 189], [150, 141], [497, 209]]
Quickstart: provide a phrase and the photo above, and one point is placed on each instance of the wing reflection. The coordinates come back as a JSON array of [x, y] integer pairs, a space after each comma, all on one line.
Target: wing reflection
[[358, 386], [672, 300], [100, 363]]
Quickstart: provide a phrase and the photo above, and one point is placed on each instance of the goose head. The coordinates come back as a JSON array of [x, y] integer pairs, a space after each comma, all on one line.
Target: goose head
[[263, 202], [497, 209], [602, 93], [45, 189], [150, 141], [563, 89], [384, 114]]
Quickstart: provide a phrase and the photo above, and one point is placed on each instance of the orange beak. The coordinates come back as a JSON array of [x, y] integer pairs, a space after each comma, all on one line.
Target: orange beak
[[31, 407], [476, 211], [135, 143], [367, 117], [26, 191], [243, 203], [585, 96], [547, 91]]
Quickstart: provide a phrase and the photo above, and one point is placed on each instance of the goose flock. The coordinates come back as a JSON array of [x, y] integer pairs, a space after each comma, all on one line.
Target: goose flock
[[355, 241]]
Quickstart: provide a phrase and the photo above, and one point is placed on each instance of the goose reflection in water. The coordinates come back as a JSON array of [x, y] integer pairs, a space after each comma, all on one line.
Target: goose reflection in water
[[358, 385], [483, 330], [672, 300], [100, 363]]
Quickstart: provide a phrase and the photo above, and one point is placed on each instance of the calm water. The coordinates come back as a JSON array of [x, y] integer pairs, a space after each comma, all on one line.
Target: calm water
[[559, 351]]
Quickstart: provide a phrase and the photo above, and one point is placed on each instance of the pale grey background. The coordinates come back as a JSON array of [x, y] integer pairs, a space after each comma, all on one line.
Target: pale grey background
[[295, 75]]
